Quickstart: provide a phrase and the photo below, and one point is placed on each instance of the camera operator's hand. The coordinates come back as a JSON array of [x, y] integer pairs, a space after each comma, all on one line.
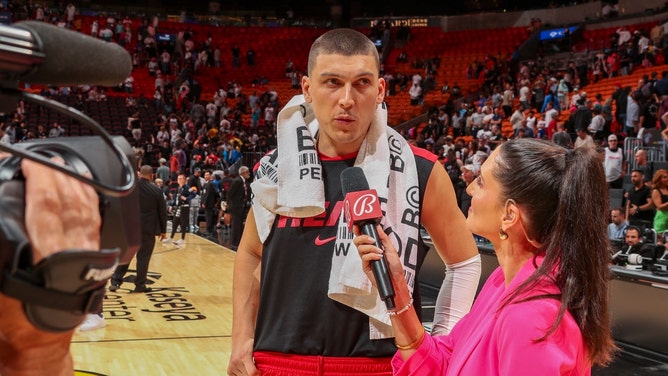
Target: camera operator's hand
[[60, 213]]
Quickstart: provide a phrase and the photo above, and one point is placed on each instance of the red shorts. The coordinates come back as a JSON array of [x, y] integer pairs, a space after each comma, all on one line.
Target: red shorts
[[279, 364]]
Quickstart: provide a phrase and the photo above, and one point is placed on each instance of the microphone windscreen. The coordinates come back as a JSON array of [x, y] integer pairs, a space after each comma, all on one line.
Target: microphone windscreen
[[73, 58], [635, 259], [353, 180]]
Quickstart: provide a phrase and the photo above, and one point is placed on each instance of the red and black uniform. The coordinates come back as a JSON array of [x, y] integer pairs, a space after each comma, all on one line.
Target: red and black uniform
[[295, 314]]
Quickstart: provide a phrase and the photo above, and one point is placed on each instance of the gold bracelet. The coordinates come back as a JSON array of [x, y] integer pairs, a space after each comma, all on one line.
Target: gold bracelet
[[402, 310], [413, 345]]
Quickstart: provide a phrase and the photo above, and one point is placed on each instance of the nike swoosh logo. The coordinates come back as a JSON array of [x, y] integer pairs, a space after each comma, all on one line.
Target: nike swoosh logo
[[320, 242]]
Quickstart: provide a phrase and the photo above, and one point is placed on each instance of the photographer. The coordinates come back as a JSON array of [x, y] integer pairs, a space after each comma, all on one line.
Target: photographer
[[69, 209]]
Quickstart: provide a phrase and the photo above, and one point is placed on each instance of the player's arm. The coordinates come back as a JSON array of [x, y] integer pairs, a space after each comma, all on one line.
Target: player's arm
[[446, 224], [245, 299]]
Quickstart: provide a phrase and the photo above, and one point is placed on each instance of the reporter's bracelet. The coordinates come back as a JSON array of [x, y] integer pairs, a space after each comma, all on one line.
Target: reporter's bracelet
[[413, 345], [402, 310]]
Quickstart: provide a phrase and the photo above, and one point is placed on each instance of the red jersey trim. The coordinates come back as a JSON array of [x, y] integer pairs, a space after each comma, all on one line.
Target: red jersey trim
[[424, 153], [344, 157]]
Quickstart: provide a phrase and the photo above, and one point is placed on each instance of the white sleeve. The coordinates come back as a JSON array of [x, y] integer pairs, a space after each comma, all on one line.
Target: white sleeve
[[456, 294]]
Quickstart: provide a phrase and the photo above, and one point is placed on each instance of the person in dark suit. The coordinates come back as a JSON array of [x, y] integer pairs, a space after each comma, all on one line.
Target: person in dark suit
[[153, 212], [237, 196], [209, 202]]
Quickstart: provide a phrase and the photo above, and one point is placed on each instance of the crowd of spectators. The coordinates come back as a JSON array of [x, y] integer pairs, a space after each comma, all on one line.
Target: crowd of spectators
[[214, 134]]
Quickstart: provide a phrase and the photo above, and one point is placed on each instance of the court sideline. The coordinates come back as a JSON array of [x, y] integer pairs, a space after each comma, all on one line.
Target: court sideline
[[182, 327]]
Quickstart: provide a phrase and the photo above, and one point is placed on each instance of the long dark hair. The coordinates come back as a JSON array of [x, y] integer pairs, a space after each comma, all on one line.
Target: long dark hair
[[563, 195]]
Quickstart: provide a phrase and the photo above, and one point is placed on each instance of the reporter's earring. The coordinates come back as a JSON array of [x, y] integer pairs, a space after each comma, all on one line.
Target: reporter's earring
[[502, 234]]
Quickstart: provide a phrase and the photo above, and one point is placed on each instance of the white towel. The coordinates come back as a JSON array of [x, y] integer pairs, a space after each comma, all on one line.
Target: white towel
[[387, 161]]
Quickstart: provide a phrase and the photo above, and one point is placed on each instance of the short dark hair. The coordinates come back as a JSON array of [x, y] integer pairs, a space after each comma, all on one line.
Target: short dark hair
[[633, 228], [346, 42]]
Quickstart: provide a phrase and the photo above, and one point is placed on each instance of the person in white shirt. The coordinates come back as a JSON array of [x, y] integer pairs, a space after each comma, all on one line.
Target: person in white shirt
[[416, 94], [624, 35], [583, 139], [614, 164], [595, 128]]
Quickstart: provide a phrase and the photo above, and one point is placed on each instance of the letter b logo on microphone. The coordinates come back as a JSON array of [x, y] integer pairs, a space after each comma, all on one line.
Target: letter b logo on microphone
[[364, 204], [361, 206]]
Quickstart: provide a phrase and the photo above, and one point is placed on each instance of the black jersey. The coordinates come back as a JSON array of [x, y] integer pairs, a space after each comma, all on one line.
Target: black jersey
[[295, 314]]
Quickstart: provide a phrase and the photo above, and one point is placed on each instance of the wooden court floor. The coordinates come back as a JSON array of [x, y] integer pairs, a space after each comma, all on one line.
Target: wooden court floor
[[182, 327]]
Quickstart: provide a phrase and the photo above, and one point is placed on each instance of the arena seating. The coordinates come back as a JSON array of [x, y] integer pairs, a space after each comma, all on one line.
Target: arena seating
[[274, 46]]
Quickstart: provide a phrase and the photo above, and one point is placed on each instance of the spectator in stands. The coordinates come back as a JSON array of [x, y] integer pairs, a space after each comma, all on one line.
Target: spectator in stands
[[620, 99], [599, 68], [525, 94], [94, 26], [518, 119], [128, 84], [649, 110], [250, 57], [469, 173], [134, 126], [166, 62], [614, 163], [561, 138], [562, 93], [236, 55], [642, 163], [638, 200], [632, 125], [497, 138], [624, 35], [551, 97], [152, 66], [597, 125], [508, 99], [162, 171], [621, 63], [580, 116], [617, 225], [660, 200], [538, 92], [416, 94], [583, 139], [56, 130], [4, 137]]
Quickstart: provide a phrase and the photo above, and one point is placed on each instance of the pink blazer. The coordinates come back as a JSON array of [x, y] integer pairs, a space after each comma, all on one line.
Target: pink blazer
[[492, 342]]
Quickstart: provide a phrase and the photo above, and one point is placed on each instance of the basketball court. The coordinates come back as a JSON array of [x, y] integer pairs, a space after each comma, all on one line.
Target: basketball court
[[182, 327]]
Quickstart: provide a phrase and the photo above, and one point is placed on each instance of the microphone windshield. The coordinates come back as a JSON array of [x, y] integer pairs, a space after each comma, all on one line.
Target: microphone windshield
[[72, 58], [353, 180], [635, 259]]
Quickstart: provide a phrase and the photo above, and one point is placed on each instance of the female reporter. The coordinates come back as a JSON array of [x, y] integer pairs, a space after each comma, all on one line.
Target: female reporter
[[544, 311]]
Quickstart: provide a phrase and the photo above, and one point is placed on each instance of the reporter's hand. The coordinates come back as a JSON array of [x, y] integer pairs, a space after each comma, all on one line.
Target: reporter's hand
[[369, 252], [60, 213]]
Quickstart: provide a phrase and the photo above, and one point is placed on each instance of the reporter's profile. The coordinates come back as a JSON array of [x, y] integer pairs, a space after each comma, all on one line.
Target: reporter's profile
[[61, 213]]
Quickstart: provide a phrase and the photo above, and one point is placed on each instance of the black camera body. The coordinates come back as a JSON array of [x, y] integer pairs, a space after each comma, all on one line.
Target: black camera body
[[62, 288]]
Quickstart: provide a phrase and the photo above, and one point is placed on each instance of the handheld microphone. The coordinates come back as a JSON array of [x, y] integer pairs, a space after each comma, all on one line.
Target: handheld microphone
[[42, 53], [362, 208]]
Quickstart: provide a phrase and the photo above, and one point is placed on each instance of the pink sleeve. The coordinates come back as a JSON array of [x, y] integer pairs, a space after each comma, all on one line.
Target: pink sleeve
[[431, 358], [517, 328]]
